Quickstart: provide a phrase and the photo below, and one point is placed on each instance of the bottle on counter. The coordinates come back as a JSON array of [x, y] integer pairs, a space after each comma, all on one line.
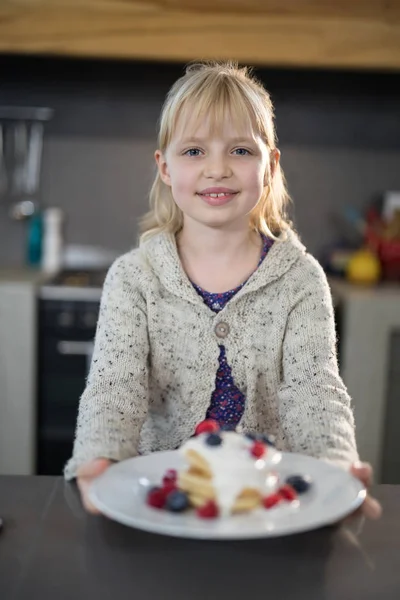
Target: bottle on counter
[[35, 240], [52, 251]]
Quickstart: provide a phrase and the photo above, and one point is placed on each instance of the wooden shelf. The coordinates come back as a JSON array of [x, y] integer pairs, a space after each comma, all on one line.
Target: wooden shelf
[[364, 34]]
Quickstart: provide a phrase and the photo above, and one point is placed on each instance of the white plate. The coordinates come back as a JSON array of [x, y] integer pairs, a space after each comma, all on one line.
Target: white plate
[[120, 493]]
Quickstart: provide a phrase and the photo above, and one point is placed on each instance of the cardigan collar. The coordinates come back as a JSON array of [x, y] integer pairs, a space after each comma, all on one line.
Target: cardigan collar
[[162, 255]]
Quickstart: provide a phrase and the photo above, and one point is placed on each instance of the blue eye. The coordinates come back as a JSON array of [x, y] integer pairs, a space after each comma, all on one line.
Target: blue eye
[[242, 151], [192, 151]]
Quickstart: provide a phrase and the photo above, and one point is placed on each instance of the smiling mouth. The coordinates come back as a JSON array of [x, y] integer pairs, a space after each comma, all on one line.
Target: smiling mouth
[[217, 199], [217, 195]]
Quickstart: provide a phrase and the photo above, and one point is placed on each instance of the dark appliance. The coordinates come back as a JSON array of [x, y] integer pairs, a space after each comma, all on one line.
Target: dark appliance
[[68, 309]]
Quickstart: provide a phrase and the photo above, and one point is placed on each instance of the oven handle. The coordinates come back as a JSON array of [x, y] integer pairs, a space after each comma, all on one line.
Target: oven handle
[[68, 348]]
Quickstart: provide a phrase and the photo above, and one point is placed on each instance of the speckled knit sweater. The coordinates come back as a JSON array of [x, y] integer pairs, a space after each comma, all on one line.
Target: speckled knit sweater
[[157, 347]]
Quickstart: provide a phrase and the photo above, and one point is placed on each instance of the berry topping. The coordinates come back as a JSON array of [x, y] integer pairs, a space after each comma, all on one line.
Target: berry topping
[[272, 500], [207, 426], [177, 501], [170, 476], [208, 510], [258, 449], [213, 439], [299, 483], [168, 487], [287, 492], [156, 498]]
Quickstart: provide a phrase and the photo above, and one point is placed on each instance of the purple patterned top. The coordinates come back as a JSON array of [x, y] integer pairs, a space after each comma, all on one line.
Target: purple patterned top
[[227, 401]]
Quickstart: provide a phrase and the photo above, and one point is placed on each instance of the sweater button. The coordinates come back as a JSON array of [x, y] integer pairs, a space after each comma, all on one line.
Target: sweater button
[[221, 329]]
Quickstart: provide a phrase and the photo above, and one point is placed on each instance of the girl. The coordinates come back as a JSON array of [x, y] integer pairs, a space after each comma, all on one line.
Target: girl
[[220, 312]]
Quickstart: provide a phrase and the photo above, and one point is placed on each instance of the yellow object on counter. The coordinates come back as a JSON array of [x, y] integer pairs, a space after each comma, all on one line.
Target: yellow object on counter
[[363, 267]]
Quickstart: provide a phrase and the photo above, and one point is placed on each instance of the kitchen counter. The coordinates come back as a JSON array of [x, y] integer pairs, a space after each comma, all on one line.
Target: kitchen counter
[[49, 547], [22, 275], [18, 355], [369, 329], [342, 290]]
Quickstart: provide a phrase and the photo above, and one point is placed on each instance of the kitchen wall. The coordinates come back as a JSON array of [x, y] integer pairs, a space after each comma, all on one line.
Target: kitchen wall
[[339, 134]]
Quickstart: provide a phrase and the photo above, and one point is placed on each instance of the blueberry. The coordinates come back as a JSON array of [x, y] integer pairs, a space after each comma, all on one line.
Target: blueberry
[[213, 439], [300, 483], [177, 501]]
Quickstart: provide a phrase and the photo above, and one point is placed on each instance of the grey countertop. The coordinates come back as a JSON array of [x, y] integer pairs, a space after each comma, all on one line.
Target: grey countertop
[[49, 548], [344, 290], [22, 275]]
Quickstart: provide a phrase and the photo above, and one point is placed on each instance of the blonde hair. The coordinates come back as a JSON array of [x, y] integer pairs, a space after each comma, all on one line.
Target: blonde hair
[[214, 90]]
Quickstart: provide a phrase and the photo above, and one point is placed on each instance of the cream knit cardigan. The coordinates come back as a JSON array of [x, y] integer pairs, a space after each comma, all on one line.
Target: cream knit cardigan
[[156, 356]]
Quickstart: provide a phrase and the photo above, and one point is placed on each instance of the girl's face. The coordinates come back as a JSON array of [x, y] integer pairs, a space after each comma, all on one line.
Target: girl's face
[[215, 179]]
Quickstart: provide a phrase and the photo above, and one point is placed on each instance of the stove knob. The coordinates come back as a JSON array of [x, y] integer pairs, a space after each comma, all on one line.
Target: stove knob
[[65, 319]]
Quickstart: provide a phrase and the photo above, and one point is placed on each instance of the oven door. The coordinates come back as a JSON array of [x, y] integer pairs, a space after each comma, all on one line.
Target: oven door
[[64, 360]]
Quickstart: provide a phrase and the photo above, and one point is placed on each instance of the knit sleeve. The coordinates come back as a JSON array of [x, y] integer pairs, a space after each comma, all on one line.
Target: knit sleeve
[[114, 404], [314, 406]]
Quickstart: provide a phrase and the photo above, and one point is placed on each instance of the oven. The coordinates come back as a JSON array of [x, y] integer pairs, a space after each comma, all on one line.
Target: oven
[[66, 329]]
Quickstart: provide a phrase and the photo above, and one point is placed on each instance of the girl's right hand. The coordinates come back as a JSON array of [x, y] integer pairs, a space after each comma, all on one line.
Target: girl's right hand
[[85, 475]]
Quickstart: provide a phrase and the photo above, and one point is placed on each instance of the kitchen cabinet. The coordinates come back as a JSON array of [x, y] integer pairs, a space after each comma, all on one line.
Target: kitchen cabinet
[[369, 343], [336, 34], [17, 373]]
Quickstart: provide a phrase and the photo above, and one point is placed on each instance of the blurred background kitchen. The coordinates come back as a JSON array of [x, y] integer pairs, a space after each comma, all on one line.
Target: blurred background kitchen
[[81, 87]]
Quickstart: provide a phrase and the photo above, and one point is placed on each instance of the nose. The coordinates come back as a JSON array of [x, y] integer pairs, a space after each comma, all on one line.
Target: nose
[[217, 167]]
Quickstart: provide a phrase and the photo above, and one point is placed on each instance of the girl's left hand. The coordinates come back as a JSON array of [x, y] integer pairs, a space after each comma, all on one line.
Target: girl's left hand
[[370, 507]]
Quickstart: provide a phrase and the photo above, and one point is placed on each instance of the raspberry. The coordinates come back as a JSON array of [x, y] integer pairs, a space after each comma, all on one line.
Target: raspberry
[[156, 498], [272, 500], [208, 510], [258, 449], [168, 487], [207, 426], [170, 476], [287, 492]]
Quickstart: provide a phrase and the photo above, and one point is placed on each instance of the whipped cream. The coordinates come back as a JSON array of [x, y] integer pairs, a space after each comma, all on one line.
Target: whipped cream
[[234, 468]]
